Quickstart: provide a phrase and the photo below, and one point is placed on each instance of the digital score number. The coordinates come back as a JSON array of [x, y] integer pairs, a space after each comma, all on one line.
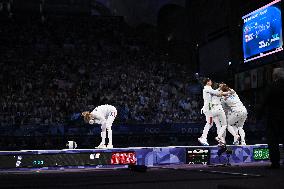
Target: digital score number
[[261, 154], [38, 162], [122, 158]]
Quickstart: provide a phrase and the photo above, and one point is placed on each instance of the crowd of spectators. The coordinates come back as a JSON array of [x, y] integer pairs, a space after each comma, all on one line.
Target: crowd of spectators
[[53, 69]]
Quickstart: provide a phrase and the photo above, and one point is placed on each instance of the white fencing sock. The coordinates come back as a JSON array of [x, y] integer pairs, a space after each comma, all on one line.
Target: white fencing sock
[[242, 134], [103, 135], [205, 131], [109, 133]]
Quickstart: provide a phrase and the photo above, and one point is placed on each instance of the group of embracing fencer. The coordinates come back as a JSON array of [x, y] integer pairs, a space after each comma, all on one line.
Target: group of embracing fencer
[[223, 107]]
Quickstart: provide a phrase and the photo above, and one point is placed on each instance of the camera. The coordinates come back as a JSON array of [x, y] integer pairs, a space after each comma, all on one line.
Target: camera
[[71, 144]]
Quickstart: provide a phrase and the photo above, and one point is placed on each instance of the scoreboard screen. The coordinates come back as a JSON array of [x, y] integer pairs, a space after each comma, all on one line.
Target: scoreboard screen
[[67, 159], [261, 154], [198, 156], [262, 31]]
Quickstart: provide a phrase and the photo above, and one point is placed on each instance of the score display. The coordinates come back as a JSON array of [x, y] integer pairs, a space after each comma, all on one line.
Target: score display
[[261, 154], [198, 156], [262, 32], [67, 159], [123, 158]]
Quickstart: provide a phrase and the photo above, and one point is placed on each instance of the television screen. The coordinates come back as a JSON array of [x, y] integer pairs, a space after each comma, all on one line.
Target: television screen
[[262, 31]]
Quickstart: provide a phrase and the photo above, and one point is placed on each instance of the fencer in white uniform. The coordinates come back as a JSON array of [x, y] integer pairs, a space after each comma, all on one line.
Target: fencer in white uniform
[[105, 116], [212, 110], [237, 113]]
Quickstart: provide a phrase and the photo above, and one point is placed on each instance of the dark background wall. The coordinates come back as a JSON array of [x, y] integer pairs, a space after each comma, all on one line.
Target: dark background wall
[[199, 33]]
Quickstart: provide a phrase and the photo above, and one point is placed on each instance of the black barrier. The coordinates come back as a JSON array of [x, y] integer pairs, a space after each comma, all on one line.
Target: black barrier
[[23, 160]]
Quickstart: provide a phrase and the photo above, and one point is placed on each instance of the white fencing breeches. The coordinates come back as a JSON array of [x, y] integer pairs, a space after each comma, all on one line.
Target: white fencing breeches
[[220, 116], [217, 117], [208, 125], [236, 118], [106, 127]]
